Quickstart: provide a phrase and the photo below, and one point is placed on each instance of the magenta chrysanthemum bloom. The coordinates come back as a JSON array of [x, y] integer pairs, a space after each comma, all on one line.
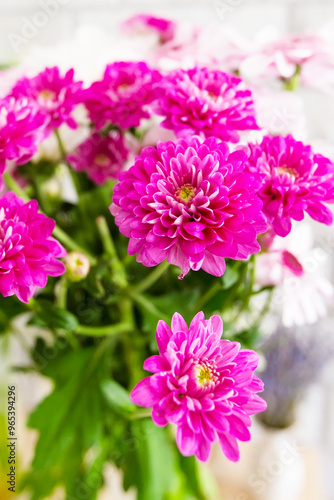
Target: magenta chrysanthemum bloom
[[164, 27], [191, 203], [123, 96], [22, 128], [294, 180], [102, 157], [56, 95], [28, 253], [206, 102], [204, 385]]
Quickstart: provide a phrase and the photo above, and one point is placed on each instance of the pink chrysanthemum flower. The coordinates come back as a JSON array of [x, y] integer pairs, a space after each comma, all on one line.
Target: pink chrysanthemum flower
[[164, 27], [204, 385], [206, 102], [22, 128], [294, 180], [102, 157], [56, 95], [123, 96], [28, 253], [191, 203]]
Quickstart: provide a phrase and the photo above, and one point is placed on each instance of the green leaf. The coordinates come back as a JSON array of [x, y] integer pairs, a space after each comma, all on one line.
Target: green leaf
[[230, 277], [164, 306], [10, 307], [54, 317], [117, 397], [70, 422], [153, 464], [150, 463]]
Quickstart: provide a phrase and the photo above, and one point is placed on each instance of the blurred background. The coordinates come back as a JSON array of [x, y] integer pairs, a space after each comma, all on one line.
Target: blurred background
[[296, 463]]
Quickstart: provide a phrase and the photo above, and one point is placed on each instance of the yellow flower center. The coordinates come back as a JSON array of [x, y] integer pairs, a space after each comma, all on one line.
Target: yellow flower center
[[46, 94], [205, 373], [123, 87], [185, 193], [292, 172], [213, 96], [101, 160]]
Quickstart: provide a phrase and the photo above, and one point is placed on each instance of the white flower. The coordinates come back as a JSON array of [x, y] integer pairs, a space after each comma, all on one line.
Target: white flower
[[297, 269]]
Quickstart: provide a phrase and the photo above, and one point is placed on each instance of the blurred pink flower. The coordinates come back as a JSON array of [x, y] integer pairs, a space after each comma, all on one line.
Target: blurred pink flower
[[28, 253], [22, 129], [191, 203], [206, 102], [298, 271], [55, 95], [102, 157], [163, 27], [294, 180], [287, 54], [123, 96], [318, 73], [204, 385], [8, 79], [281, 57]]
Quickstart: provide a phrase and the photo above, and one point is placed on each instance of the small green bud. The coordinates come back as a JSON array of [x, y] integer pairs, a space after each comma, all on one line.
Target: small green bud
[[77, 266]]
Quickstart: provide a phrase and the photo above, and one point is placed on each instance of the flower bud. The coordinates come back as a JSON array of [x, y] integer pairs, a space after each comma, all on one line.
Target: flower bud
[[77, 266]]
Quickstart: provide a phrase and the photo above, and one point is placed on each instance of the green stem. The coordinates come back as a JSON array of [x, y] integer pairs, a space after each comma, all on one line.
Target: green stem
[[70, 244], [41, 196], [58, 233], [265, 309], [151, 278], [60, 144], [263, 289], [63, 155], [293, 83], [103, 349], [128, 259], [131, 352], [61, 298], [208, 295], [118, 271], [248, 290], [140, 414], [148, 305], [12, 185], [106, 330]]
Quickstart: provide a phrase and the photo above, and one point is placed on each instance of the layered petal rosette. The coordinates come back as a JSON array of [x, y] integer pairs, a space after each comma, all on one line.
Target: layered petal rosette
[[294, 180], [28, 253], [191, 203], [22, 129], [207, 103], [102, 157], [55, 95], [123, 96], [204, 385]]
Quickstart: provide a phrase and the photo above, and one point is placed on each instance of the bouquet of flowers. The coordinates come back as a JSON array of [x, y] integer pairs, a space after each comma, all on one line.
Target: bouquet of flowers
[[138, 212]]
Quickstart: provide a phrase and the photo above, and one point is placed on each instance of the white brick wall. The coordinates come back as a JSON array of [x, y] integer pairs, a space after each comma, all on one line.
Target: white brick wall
[[247, 15]]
